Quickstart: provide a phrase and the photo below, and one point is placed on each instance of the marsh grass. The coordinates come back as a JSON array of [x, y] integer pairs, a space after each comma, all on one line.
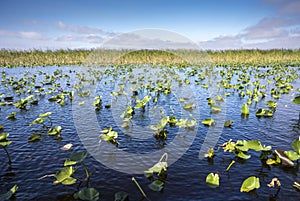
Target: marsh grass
[[13, 58]]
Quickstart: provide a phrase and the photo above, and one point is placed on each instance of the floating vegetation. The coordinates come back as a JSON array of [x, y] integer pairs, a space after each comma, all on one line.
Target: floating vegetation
[[10, 193], [250, 184], [4, 143], [109, 135], [260, 86], [212, 180]]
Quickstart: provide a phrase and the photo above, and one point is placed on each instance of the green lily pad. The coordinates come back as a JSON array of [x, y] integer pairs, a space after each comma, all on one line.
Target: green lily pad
[[208, 122], [47, 114], [210, 153], [109, 135], [4, 143], [268, 113], [215, 109], [12, 115], [242, 155], [260, 112], [3, 136], [89, 194], [296, 100], [212, 180], [64, 174], [69, 181], [292, 155], [142, 103], [296, 146], [156, 185], [189, 106], [34, 138], [11, 192], [159, 167], [250, 184], [219, 98], [271, 104], [75, 158], [121, 196], [228, 123], [245, 109], [255, 145], [55, 130], [162, 123], [39, 120]]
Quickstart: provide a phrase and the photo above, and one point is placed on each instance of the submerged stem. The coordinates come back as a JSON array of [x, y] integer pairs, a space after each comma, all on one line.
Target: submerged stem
[[8, 156], [86, 172]]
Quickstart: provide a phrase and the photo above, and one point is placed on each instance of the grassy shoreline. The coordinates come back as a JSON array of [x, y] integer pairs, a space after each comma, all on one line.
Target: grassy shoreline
[[274, 57]]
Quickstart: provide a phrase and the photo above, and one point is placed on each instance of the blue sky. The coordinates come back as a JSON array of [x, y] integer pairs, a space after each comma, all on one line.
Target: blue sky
[[213, 24]]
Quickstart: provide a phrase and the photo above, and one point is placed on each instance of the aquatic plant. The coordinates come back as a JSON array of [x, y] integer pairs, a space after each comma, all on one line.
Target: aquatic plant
[[4, 143]]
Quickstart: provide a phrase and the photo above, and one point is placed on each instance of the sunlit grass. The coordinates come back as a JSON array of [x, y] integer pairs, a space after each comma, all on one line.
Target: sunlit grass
[[12, 58]]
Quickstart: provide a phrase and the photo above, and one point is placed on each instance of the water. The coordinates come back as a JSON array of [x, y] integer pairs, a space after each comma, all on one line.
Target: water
[[185, 178]]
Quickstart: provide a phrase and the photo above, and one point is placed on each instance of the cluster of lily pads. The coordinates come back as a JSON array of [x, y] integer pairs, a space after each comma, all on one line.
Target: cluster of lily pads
[[240, 149], [252, 84]]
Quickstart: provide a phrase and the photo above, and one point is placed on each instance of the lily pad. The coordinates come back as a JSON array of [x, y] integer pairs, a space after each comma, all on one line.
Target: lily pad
[[34, 138], [47, 114], [250, 184], [242, 155], [293, 156], [121, 196], [228, 123], [75, 158], [156, 185], [245, 109], [272, 104], [212, 180], [210, 153], [215, 109], [296, 146], [189, 106], [11, 192], [260, 112], [12, 115], [64, 174], [89, 194], [109, 135], [296, 100], [55, 130], [3, 136], [39, 120], [208, 121]]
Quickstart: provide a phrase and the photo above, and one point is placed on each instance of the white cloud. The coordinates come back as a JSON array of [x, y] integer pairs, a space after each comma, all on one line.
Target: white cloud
[[222, 42], [23, 34], [286, 6], [150, 39], [31, 35], [87, 38], [80, 29]]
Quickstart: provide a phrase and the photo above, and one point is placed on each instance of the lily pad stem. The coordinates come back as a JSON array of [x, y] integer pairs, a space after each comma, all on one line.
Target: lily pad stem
[[139, 187], [164, 156], [8, 156], [86, 172]]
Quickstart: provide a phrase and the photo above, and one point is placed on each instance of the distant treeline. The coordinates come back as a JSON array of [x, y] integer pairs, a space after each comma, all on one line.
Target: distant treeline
[[286, 57]]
